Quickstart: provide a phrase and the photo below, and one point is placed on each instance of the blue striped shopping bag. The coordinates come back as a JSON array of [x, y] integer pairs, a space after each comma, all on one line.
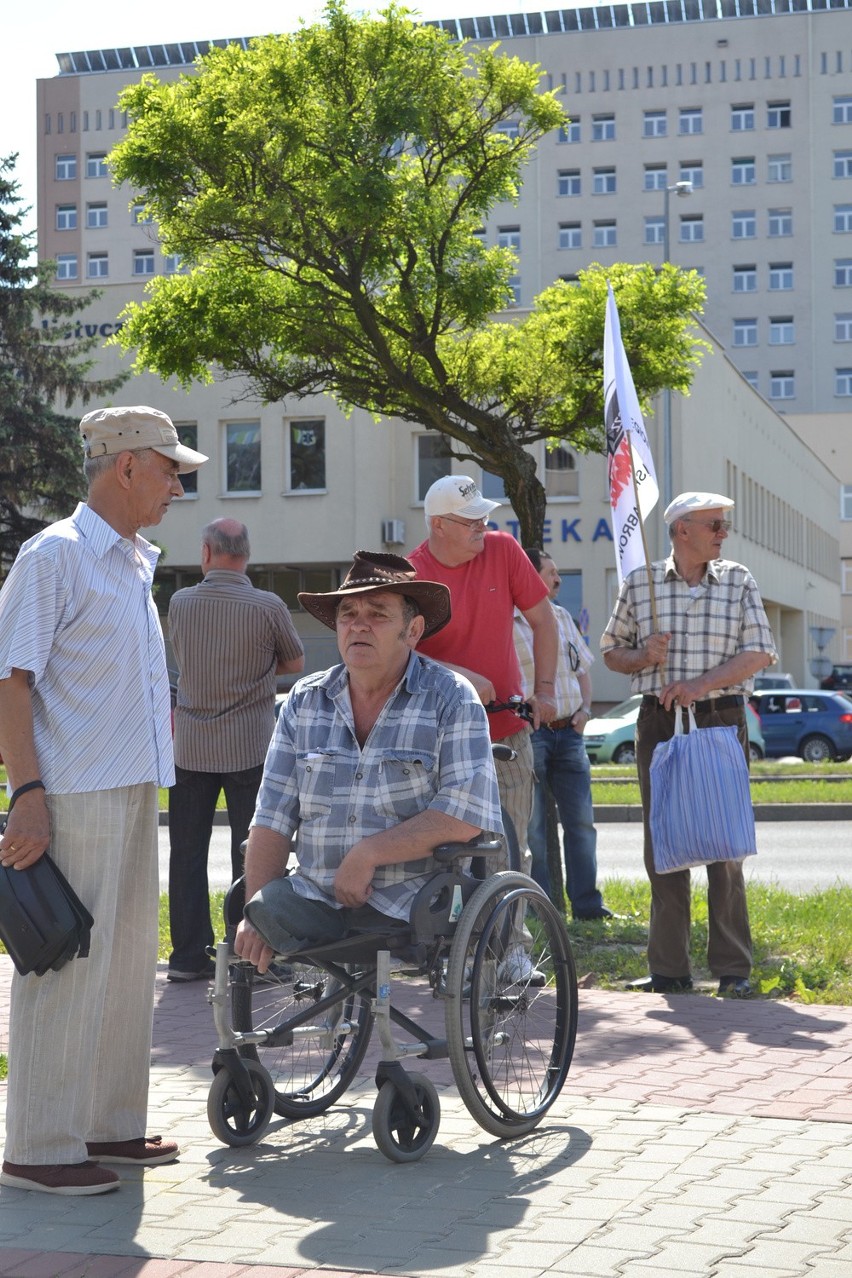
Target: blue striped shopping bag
[[701, 808]]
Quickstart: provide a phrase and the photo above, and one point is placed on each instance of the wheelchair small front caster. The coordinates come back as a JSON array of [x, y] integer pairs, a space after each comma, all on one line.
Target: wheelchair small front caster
[[404, 1136], [231, 1120]]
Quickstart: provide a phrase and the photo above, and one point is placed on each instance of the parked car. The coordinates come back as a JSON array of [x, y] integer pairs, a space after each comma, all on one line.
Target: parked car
[[611, 737], [840, 679], [813, 724], [762, 681]]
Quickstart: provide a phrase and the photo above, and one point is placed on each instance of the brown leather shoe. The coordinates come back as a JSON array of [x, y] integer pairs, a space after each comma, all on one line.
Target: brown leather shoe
[[144, 1151], [60, 1178]]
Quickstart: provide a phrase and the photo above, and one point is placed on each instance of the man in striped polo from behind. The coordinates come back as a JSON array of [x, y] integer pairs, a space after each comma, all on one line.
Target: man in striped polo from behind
[[231, 642]]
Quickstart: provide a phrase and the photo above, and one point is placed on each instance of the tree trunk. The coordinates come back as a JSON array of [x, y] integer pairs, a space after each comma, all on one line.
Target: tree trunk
[[526, 493]]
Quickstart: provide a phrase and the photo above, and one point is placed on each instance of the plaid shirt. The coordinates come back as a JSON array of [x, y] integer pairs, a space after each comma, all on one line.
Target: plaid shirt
[[573, 658], [429, 748], [709, 623]]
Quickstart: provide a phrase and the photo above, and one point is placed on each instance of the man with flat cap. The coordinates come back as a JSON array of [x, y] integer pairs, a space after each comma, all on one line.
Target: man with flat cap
[[712, 635], [374, 763], [85, 735]]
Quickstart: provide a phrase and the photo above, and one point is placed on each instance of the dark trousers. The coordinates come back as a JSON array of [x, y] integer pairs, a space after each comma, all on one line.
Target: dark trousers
[[729, 935], [192, 806]]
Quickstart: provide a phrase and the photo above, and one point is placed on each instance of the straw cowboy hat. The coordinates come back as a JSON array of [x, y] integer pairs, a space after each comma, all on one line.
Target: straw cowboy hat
[[375, 570]]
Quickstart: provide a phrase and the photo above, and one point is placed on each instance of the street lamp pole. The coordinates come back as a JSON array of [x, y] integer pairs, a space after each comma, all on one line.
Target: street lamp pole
[[680, 189]]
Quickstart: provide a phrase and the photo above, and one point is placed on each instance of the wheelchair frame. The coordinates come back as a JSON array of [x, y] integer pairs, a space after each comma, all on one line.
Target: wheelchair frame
[[509, 1041]]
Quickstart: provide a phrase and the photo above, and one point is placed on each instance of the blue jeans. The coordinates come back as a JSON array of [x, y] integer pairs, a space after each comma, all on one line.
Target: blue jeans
[[560, 760], [192, 807]]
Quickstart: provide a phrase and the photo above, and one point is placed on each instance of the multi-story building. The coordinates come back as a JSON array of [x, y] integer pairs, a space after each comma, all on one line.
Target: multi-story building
[[754, 113]]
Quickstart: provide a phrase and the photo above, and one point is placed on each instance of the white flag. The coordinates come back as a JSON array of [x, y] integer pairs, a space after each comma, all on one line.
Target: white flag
[[624, 427]]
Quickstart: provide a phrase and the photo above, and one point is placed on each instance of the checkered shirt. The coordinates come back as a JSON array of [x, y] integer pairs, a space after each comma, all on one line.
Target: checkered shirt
[[709, 624], [566, 689], [429, 748]]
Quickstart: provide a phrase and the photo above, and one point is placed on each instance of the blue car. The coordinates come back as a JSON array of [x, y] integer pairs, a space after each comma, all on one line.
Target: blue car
[[813, 724]]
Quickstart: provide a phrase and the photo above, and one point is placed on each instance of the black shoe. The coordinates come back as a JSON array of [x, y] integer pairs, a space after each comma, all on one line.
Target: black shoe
[[655, 984], [205, 973], [735, 987], [602, 913]]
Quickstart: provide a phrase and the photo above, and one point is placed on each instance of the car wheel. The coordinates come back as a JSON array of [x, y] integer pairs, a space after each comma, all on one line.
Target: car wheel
[[816, 749], [625, 753], [755, 753]]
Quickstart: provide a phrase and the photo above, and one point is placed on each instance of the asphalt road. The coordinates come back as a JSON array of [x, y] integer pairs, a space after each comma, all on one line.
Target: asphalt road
[[797, 855]]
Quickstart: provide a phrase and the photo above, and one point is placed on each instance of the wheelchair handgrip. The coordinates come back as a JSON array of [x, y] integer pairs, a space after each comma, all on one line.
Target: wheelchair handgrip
[[484, 844]]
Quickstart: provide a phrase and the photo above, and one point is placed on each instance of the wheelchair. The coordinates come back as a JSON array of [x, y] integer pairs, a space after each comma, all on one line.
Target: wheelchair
[[292, 1040]]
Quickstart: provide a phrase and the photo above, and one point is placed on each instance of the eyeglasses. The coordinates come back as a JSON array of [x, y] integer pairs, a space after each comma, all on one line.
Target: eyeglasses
[[715, 525], [466, 523]]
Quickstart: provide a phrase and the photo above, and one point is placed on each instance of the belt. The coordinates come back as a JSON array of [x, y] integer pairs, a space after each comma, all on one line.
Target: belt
[[556, 725], [712, 703]]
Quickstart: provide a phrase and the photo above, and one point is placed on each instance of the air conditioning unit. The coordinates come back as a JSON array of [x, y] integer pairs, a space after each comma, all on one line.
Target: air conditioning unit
[[393, 532]]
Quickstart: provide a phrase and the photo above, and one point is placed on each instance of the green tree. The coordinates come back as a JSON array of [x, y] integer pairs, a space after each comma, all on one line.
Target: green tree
[[42, 366], [327, 190]]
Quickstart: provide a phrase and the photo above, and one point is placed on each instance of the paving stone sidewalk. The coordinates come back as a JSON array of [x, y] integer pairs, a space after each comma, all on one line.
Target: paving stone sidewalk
[[696, 1137]]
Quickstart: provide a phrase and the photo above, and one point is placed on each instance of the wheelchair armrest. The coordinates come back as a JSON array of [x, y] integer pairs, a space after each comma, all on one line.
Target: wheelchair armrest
[[484, 844]]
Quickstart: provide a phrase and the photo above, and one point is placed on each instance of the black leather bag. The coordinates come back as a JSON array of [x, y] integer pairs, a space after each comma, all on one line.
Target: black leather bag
[[43, 923]]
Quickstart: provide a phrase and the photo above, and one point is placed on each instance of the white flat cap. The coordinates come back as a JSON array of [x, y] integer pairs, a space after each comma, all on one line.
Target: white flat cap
[[689, 503]]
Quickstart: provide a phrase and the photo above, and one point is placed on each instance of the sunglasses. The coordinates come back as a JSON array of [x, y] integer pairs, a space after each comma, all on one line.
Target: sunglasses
[[715, 525]]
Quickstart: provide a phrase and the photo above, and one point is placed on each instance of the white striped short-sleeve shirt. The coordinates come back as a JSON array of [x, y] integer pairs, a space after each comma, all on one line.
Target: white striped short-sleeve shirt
[[76, 611]]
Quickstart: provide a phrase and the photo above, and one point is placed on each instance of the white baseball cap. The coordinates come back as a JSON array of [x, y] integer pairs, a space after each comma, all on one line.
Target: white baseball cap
[[689, 503], [457, 495]]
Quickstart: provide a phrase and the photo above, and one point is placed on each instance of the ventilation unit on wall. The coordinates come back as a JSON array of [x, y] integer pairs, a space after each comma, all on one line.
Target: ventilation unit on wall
[[393, 532]]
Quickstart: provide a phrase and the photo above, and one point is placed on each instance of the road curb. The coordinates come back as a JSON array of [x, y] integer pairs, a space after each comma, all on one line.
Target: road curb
[[627, 812]]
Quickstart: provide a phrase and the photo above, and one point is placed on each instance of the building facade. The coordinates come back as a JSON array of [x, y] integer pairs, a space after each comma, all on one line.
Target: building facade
[[752, 112]]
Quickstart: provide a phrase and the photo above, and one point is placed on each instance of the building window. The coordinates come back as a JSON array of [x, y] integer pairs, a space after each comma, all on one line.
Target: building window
[[492, 486], [306, 462], [96, 165], [691, 121], [139, 216], [782, 385], [843, 381], [846, 576], [744, 224], [242, 457], [743, 172], [782, 331], [603, 182], [751, 378], [569, 132], [742, 118], [843, 164], [187, 433], [66, 266], [843, 327], [780, 222], [173, 264], [779, 168], [514, 285], [654, 124], [745, 279], [568, 182], [655, 230], [656, 177], [692, 229], [509, 128], [780, 276], [66, 168], [693, 171], [846, 501], [143, 262], [66, 217], [842, 110], [570, 235], [745, 332], [605, 235], [97, 266], [96, 216], [843, 272], [603, 128], [843, 218], [779, 115], [434, 461], [509, 237], [561, 477]]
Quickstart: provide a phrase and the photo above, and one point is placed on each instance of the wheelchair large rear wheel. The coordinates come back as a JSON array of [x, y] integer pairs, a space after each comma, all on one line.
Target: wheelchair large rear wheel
[[510, 1034], [310, 1074]]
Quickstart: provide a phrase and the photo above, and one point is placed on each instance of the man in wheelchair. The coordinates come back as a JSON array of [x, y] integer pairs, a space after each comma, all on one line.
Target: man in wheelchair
[[373, 764]]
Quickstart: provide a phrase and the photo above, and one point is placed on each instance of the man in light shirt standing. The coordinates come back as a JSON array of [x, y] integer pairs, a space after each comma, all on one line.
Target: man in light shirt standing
[[86, 738]]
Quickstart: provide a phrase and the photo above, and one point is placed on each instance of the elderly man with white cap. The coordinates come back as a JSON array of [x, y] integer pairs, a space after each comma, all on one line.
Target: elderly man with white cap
[[712, 635], [85, 735]]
